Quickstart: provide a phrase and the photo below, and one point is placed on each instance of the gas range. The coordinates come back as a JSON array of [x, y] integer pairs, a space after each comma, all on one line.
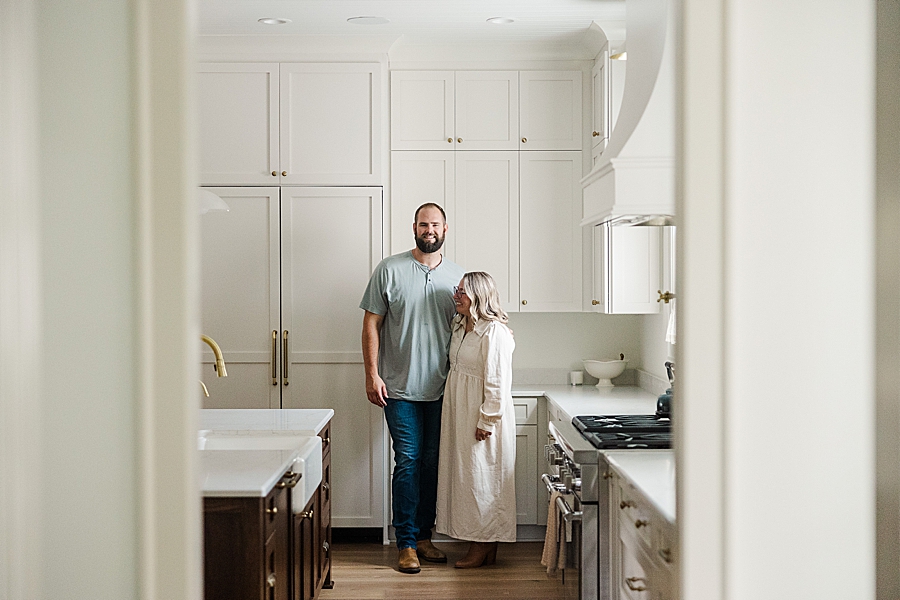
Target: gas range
[[615, 432]]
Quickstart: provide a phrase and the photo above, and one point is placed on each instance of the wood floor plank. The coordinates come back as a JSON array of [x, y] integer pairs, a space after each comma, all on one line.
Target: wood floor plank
[[369, 572]]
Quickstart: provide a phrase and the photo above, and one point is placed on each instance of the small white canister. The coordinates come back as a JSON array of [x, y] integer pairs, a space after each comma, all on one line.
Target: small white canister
[[576, 377]]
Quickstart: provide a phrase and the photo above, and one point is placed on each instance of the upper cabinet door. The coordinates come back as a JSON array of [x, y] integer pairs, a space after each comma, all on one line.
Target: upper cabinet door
[[487, 219], [331, 124], [600, 103], [550, 110], [551, 235], [487, 110], [422, 107], [237, 114], [418, 177]]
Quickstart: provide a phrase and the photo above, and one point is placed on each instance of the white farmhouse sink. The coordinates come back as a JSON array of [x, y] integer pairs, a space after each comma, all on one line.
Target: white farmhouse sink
[[308, 462]]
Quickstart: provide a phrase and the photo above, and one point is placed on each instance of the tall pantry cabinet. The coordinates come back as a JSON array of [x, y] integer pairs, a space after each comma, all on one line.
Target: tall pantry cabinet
[[294, 150]]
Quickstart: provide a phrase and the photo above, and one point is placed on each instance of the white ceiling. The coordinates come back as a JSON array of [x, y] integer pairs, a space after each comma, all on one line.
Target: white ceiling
[[421, 23]]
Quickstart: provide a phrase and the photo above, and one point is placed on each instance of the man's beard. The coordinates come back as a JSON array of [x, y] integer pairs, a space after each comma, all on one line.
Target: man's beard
[[429, 247]]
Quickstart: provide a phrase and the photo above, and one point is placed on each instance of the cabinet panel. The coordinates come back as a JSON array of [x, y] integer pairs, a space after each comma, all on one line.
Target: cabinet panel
[[626, 269], [422, 110], [549, 225], [331, 243], [240, 298], [600, 105], [416, 178], [550, 110], [330, 124], [487, 110], [526, 475], [237, 116], [487, 209]]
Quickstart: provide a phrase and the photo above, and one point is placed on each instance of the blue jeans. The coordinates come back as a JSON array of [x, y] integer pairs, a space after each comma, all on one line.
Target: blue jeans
[[416, 432]]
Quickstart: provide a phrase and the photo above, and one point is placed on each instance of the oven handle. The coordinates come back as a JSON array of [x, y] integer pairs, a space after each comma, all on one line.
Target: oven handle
[[568, 514], [553, 486]]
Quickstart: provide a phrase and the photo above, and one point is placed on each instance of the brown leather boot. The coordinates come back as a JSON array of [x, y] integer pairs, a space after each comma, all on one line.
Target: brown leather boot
[[426, 551], [408, 562], [480, 553]]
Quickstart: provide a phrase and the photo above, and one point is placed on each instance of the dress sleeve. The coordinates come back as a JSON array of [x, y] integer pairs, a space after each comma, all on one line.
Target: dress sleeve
[[497, 348]]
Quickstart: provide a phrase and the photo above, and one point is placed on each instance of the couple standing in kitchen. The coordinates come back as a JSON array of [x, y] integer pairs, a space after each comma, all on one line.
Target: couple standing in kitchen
[[438, 360]]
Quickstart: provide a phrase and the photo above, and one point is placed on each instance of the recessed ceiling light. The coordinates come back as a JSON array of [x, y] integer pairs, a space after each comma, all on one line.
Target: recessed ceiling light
[[500, 20], [368, 20], [274, 21]]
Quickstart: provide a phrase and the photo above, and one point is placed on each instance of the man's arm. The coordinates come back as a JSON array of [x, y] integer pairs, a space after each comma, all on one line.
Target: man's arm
[[376, 391]]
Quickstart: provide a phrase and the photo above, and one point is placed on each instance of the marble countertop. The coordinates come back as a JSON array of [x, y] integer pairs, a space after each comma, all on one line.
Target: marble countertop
[[652, 472], [574, 400], [276, 420], [243, 473]]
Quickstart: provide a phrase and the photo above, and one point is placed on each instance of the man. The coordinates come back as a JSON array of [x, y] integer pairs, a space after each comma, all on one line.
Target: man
[[405, 339]]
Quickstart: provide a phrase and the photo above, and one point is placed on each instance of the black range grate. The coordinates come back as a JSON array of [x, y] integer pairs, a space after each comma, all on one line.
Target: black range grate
[[622, 423]]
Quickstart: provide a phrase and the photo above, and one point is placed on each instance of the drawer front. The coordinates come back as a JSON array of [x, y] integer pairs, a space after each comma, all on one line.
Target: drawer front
[[634, 515], [275, 510], [325, 434], [526, 411], [633, 579]]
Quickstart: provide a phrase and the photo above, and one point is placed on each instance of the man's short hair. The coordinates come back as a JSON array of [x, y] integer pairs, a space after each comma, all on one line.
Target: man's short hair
[[430, 205]]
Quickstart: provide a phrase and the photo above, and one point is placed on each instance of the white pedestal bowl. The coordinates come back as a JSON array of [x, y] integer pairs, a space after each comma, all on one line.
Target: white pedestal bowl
[[604, 370]]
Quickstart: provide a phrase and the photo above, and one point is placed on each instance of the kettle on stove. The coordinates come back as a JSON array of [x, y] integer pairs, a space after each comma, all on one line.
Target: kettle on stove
[[664, 402]]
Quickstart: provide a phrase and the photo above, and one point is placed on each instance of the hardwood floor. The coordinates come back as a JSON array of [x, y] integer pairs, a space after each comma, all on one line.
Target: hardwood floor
[[369, 571]]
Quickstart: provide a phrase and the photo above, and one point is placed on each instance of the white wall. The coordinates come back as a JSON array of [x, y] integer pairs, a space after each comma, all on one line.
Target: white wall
[[775, 415]]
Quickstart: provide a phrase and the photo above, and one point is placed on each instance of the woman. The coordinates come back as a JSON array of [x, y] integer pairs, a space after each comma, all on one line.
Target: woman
[[476, 470]]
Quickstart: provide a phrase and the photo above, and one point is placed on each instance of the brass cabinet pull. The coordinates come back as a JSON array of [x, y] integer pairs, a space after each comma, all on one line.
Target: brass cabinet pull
[[665, 554], [627, 504], [595, 302], [641, 523], [284, 173], [524, 140], [285, 359], [524, 302], [270, 580], [608, 475], [325, 486], [595, 134], [272, 511], [290, 480], [449, 140], [459, 140], [274, 357], [306, 515], [631, 582], [326, 547], [274, 173]]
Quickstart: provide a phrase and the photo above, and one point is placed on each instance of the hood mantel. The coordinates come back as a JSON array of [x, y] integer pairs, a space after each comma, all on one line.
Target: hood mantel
[[636, 172]]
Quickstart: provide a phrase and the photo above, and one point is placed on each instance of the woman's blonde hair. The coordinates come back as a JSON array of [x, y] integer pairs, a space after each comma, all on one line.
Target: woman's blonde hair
[[482, 291]]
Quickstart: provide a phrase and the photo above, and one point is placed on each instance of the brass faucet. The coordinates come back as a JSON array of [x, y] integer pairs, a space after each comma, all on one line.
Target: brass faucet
[[220, 361]]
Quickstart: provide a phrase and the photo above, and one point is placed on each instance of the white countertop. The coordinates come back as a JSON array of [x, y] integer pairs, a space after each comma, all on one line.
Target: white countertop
[[652, 472], [276, 420], [574, 400], [244, 473]]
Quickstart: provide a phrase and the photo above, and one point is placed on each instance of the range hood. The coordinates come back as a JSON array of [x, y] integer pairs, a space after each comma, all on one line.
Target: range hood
[[633, 182]]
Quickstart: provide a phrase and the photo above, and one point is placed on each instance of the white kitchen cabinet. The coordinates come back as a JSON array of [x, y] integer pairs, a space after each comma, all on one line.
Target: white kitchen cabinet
[[550, 235], [527, 483], [550, 110], [418, 177], [237, 115], [282, 275], [600, 104], [626, 269], [289, 123], [487, 218], [447, 110]]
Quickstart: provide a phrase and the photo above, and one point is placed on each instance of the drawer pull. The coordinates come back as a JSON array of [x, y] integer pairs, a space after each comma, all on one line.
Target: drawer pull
[[290, 480], [641, 523], [627, 504], [665, 554], [272, 511], [607, 475], [271, 580], [326, 547], [631, 582], [306, 514]]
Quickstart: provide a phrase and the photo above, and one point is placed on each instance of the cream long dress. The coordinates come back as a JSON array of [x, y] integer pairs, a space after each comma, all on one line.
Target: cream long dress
[[476, 480]]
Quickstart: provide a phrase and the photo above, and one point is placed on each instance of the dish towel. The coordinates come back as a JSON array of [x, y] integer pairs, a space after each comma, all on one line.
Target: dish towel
[[670, 330], [554, 555]]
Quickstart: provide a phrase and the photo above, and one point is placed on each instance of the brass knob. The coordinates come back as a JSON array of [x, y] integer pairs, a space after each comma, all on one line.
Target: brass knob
[[272, 511], [449, 140], [524, 302], [595, 134], [459, 140], [274, 173], [271, 580], [524, 140], [325, 486], [595, 302], [306, 515], [627, 504], [608, 475], [639, 523], [284, 173]]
